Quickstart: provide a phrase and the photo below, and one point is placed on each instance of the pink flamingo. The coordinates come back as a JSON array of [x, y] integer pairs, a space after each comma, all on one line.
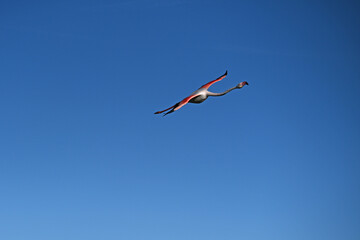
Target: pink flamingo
[[202, 94]]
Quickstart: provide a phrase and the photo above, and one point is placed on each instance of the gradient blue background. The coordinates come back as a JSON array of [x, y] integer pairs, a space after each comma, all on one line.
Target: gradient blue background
[[82, 156]]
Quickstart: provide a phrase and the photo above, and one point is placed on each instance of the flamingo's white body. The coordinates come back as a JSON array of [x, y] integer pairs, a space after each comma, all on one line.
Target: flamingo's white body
[[202, 94]]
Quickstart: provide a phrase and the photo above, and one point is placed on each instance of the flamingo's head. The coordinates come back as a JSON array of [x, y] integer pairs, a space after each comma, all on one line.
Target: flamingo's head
[[240, 85]]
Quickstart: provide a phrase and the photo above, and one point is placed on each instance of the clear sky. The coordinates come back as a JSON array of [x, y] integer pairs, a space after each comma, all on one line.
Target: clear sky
[[82, 156]]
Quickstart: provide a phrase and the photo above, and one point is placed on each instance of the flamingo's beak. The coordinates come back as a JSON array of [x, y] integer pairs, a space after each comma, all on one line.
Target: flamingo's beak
[[246, 83]]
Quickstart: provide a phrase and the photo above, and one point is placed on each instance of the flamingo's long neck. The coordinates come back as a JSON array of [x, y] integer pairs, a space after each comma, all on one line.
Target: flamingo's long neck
[[220, 94]]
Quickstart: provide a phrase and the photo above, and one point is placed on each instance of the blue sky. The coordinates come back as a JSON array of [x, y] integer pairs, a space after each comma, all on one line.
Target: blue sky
[[83, 156]]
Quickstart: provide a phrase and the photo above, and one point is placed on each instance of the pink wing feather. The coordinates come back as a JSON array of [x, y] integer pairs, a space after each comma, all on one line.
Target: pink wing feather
[[206, 86]]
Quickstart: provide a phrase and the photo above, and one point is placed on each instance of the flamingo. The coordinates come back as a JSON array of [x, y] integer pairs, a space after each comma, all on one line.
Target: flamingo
[[201, 95]]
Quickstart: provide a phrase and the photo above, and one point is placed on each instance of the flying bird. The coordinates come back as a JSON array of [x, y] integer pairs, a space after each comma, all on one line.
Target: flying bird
[[201, 95]]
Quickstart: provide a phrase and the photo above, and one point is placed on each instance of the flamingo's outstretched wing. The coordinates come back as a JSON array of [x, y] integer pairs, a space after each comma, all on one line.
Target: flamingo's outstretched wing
[[206, 86], [185, 101], [178, 105]]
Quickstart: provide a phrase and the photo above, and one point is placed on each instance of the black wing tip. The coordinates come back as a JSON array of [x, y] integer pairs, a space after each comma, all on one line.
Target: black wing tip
[[168, 113], [225, 73]]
